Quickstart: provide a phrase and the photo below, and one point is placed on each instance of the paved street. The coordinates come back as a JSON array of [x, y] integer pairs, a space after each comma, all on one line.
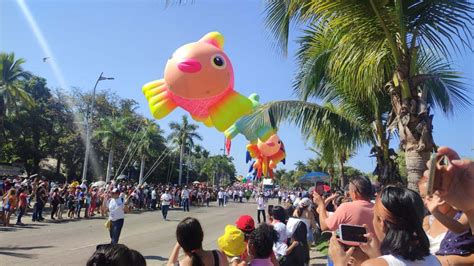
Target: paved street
[[72, 243]]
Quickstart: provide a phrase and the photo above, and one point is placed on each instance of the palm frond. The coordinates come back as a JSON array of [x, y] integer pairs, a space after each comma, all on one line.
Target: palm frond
[[306, 116], [446, 88], [442, 24]]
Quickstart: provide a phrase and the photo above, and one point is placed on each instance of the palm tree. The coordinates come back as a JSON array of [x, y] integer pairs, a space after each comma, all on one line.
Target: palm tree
[[110, 131], [183, 136], [11, 90], [151, 141], [395, 47]]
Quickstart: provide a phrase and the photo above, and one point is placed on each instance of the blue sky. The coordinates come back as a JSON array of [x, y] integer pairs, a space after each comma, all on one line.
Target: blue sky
[[131, 41]]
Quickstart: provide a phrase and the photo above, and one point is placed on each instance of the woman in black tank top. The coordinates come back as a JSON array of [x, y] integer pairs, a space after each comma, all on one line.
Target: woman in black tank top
[[190, 236]]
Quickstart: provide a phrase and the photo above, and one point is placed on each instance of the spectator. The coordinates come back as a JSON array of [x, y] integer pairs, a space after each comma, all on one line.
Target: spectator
[[22, 204], [454, 183], [165, 203], [41, 198], [232, 243], [220, 197], [399, 238], [246, 224], [297, 254], [260, 246], [189, 235], [9, 205], [448, 231], [278, 216], [54, 202], [185, 198], [359, 211], [116, 215], [302, 213], [261, 208], [116, 255]]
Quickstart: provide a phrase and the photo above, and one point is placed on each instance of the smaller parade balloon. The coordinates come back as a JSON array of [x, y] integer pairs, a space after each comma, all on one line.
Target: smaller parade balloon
[[244, 180], [267, 155]]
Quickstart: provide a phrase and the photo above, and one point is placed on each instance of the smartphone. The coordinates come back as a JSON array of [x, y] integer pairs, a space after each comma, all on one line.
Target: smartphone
[[431, 176], [352, 235]]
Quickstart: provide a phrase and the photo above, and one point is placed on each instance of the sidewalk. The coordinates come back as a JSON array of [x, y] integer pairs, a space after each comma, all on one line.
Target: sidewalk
[[316, 258]]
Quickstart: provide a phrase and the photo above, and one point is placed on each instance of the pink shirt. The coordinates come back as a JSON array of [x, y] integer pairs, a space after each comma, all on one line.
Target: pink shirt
[[358, 212]]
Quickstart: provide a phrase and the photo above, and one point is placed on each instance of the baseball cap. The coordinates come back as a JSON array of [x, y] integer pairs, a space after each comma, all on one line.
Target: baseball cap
[[115, 190], [245, 223], [232, 242], [304, 202]]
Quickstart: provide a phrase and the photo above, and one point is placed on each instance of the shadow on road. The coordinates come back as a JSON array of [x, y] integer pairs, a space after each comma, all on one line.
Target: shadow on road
[[158, 258], [6, 251], [19, 255], [24, 248]]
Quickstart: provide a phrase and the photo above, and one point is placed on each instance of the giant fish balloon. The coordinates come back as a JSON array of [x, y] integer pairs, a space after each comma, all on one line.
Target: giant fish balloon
[[267, 155], [200, 79]]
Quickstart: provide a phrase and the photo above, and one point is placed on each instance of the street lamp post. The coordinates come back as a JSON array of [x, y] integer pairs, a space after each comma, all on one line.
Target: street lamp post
[[88, 126]]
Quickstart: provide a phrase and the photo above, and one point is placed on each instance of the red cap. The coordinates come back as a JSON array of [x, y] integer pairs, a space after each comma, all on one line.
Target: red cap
[[245, 223]]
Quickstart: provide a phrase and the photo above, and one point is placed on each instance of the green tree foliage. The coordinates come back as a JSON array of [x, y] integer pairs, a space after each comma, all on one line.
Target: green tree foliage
[[40, 125]]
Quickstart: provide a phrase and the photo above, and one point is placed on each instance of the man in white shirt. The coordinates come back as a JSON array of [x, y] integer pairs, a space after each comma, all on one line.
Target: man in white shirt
[[220, 197], [153, 199], [261, 208], [116, 215], [185, 198], [165, 203]]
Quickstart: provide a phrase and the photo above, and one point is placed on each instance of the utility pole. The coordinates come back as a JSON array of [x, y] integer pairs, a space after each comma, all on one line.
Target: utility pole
[[88, 121]]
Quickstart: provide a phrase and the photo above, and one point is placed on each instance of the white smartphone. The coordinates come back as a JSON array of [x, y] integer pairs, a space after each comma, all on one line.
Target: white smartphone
[[352, 235], [431, 176]]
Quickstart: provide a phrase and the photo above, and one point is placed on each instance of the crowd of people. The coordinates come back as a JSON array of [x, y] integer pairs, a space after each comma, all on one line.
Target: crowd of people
[[402, 226], [82, 200]]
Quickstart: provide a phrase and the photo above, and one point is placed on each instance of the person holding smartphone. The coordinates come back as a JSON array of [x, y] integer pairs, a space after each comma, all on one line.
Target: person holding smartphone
[[454, 182], [399, 238]]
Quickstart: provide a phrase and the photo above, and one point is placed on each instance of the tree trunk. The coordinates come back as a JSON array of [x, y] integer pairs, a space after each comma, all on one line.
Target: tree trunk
[[142, 170], [181, 164], [416, 165], [415, 132], [2, 120], [109, 165], [343, 179], [58, 165]]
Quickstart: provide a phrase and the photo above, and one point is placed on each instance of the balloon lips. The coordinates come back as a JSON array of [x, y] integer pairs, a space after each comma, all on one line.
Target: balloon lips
[[267, 155], [200, 79]]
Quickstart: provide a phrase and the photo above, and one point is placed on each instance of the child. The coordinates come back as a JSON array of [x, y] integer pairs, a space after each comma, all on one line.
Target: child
[[260, 247], [297, 254], [71, 205]]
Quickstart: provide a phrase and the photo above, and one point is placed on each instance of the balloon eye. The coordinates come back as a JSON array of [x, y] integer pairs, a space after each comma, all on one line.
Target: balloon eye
[[279, 142], [218, 62]]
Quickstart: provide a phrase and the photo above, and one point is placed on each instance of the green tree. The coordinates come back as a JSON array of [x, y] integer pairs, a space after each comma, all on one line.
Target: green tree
[[110, 132], [152, 142], [183, 135], [397, 47], [12, 92]]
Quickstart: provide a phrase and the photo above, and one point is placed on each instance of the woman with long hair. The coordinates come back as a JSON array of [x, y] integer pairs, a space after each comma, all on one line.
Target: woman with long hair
[[9, 205], [189, 235], [297, 254], [399, 237]]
